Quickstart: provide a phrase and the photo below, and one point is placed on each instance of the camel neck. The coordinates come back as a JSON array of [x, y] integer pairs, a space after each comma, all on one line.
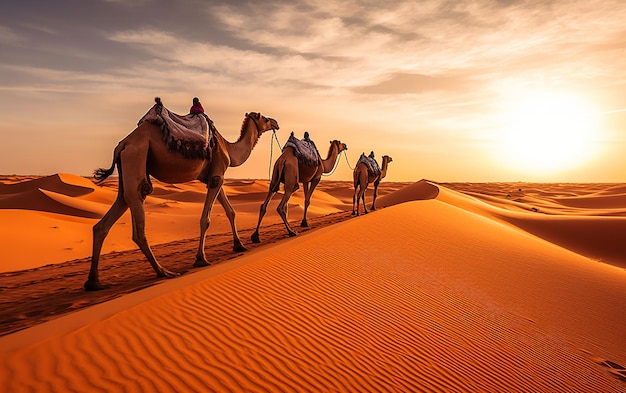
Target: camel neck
[[240, 150], [331, 159]]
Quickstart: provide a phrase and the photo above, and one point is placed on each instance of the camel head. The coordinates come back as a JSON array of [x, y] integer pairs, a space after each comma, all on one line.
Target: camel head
[[262, 123], [387, 158], [340, 146]]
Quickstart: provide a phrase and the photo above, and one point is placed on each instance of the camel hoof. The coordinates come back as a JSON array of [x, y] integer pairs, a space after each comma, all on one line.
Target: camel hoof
[[292, 234], [168, 274], [201, 263], [255, 238], [93, 285], [304, 224], [239, 248]]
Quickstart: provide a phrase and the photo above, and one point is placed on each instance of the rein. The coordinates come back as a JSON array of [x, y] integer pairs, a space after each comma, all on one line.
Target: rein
[[337, 163], [274, 137], [348, 162], [335, 167]]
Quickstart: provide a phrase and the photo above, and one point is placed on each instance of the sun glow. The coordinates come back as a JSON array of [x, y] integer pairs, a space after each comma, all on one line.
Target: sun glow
[[547, 132]]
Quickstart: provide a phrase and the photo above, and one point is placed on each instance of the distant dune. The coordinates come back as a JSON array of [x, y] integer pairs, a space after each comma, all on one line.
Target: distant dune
[[466, 287]]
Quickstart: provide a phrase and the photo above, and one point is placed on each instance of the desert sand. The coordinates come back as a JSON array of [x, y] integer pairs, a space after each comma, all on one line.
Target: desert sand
[[447, 287]]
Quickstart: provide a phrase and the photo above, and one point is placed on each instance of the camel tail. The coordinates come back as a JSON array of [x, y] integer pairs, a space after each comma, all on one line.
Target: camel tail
[[101, 174]]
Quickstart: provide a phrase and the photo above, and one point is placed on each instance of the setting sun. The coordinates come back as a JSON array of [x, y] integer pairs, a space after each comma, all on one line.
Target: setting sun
[[547, 132]]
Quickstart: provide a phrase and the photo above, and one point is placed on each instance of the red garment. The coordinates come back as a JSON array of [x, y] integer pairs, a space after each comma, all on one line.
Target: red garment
[[196, 108]]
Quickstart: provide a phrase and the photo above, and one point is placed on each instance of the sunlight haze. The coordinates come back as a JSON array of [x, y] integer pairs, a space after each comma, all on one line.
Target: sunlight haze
[[453, 91]]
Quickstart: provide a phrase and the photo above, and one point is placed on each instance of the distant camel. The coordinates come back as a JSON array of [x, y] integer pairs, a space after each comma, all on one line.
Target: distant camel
[[143, 153], [289, 171], [362, 178]]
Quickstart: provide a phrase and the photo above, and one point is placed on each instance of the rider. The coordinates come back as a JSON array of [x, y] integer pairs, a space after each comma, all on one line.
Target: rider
[[196, 108]]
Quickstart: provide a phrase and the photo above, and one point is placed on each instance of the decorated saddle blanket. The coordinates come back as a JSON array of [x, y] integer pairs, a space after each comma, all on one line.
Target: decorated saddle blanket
[[304, 149], [373, 169], [191, 135]]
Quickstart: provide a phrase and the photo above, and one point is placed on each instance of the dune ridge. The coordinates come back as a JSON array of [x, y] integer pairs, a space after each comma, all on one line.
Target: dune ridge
[[586, 230], [308, 316], [438, 290]]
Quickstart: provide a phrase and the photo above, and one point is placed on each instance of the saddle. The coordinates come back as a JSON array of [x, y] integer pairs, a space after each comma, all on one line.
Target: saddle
[[191, 135], [305, 150], [373, 170]]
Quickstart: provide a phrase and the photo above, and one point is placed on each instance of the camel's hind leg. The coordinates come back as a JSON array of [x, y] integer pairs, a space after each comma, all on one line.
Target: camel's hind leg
[[355, 201], [359, 196], [214, 188], [139, 229], [136, 188], [262, 210], [360, 184], [100, 232], [230, 213], [308, 192], [363, 199], [282, 208]]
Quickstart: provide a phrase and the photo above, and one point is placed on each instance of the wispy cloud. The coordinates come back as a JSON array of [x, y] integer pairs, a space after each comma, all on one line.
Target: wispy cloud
[[430, 38], [9, 37], [404, 83], [434, 68]]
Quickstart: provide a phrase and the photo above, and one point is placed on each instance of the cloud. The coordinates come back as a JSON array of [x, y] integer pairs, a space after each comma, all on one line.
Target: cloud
[[434, 68], [130, 3], [405, 83], [9, 37], [426, 37]]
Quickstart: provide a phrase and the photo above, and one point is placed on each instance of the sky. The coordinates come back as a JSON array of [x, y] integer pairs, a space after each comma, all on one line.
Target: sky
[[453, 91]]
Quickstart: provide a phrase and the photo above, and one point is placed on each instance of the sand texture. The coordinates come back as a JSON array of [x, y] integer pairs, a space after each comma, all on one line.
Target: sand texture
[[460, 287]]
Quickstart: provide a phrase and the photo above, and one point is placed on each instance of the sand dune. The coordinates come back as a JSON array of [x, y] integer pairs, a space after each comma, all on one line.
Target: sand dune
[[447, 287], [588, 229], [172, 213]]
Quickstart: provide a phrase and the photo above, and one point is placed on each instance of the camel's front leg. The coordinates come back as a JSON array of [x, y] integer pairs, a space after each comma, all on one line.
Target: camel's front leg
[[308, 192], [214, 188], [230, 213]]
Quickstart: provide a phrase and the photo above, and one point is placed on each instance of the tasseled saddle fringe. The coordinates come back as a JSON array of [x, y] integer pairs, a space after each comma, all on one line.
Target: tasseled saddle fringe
[[189, 150]]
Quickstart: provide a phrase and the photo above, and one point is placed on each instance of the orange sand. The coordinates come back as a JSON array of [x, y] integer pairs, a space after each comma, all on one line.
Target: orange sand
[[500, 287]]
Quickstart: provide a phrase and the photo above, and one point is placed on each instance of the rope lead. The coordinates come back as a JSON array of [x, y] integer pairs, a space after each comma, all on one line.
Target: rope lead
[[274, 137]]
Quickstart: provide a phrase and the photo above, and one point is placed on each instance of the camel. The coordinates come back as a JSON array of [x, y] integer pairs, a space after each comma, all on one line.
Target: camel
[[290, 172], [142, 154], [362, 179]]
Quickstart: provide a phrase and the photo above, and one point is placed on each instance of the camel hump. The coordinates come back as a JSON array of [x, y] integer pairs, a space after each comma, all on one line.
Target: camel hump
[[191, 135], [305, 150], [372, 166]]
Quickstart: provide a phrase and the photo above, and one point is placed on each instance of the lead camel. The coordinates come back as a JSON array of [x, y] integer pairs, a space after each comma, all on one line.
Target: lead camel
[[142, 154]]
